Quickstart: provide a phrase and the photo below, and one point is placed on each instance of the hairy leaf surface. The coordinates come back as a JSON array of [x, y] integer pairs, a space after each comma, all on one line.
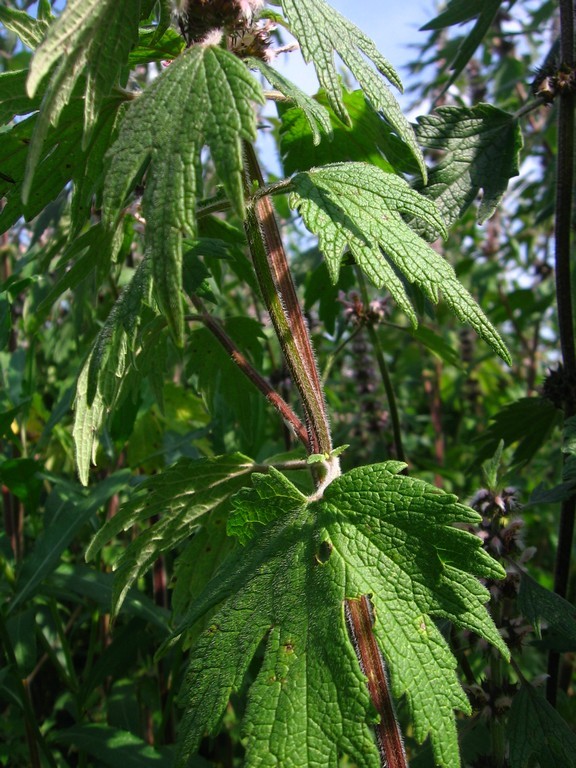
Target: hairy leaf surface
[[92, 38], [481, 147], [180, 496], [375, 532], [358, 206], [321, 32], [203, 98]]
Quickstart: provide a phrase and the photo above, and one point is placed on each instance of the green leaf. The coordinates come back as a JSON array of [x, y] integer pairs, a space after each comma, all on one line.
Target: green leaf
[[180, 496], [29, 30], [459, 11], [116, 748], [321, 31], [92, 37], [358, 206], [374, 532], [13, 97], [537, 733], [481, 147], [366, 138], [314, 113], [71, 510], [537, 603], [528, 421], [203, 98], [104, 372]]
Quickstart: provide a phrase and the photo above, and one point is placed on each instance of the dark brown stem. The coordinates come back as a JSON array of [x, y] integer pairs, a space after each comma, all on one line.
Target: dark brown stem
[[562, 238], [249, 371], [279, 294], [360, 619]]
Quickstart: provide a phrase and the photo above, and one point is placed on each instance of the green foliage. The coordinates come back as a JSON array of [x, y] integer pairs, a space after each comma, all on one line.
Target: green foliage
[[366, 523], [152, 338], [203, 98], [359, 206]]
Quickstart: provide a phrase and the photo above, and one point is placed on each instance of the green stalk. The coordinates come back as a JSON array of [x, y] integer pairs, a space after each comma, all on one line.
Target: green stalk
[[562, 238], [279, 294]]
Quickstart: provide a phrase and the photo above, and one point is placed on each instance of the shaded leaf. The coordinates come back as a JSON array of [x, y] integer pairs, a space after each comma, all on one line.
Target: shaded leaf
[[358, 206], [71, 509], [116, 748], [481, 147], [180, 496], [374, 532], [13, 97], [528, 421], [459, 11], [321, 32], [537, 733], [366, 138], [538, 604], [203, 98]]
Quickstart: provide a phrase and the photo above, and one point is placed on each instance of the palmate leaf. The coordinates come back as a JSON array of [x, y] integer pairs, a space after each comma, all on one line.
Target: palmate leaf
[[92, 38], [481, 147], [181, 496], [374, 532], [361, 207], [203, 98], [321, 32]]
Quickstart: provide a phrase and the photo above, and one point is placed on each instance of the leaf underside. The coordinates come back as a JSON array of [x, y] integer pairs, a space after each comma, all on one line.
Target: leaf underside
[[374, 532], [203, 98], [360, 207]]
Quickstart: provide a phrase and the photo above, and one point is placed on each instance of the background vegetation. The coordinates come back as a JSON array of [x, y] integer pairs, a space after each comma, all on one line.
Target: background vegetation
[[97, 364]]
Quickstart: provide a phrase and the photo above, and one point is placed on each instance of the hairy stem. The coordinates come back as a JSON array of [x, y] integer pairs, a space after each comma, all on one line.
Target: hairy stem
[[279, 294], [562, 239], [360, 620]]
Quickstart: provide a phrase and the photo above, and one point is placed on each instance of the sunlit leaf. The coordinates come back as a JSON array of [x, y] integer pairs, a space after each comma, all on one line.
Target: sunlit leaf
[[357, 206], [375, 532]]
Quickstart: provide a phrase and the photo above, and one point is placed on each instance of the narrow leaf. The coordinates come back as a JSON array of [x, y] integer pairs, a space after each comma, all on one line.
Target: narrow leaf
[[321, 32], [360, 207], [29, 30], [539, 604]]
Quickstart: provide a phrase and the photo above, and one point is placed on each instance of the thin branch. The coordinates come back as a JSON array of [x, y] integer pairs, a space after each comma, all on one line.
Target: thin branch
[[249, 371]]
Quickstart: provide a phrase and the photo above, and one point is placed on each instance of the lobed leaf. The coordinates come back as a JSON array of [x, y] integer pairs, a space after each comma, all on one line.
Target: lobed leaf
[[314, 113], [91, 38], [357, 206], [181, 496], [321, 31], [203, 98], [481, 147], [375, 532]]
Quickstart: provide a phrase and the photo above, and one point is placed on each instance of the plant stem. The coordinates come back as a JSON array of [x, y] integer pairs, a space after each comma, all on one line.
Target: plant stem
[[562, 238], [249, 371], [360, 620], [279, 294], [384, 373]]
